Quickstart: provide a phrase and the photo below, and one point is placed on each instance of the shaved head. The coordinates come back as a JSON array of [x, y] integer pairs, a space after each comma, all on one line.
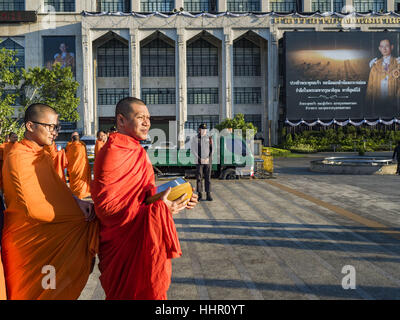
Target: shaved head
[[124, 106], [36, 111]]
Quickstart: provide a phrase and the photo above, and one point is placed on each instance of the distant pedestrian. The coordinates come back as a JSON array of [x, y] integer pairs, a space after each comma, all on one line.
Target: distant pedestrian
[[202, 149], [396, 154]]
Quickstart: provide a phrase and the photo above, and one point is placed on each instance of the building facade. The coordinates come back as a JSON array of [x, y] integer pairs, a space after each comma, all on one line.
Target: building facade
[[189, 60]]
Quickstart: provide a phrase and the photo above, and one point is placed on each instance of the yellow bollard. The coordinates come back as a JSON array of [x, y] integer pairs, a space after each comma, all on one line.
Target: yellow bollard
[[268, 160]]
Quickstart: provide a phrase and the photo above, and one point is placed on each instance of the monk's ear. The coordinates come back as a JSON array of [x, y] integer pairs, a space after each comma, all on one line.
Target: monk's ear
[[29, 126], [120, 120]]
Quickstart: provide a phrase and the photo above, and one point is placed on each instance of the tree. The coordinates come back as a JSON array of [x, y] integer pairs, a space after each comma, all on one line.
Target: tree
[[237, 122], [9, 79], [55, 87]]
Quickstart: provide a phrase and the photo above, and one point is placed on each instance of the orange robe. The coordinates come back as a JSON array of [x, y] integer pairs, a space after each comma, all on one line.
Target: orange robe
[[99, 144], [137, 241], [43, 226], [3, 295], [4, 150], [78, 169], [60, 160]]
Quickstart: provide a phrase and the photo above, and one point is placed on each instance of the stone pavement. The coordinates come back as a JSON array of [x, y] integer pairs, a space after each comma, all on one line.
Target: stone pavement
[[289, 238]]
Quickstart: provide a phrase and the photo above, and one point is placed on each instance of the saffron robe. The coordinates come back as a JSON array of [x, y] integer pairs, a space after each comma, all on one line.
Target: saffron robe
[[99, 144], [376, 75], [78, 169], [5, 149], [3, 295], [43, 226], [137, 240], [60, 160]]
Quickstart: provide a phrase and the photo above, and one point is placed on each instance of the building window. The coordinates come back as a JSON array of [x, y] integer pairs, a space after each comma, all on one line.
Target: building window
[[193, 122], [254, 119], [12, 5], [158, 59], [202, 95], [113, 59], [202, 59], [159, 96], [397, 6], [246, 58], [243, 5], [369, 5], [247, 95], [111, 96], [200, 5], [113, 5], [326, 5], [61, 5], [157, 5], [283, 5], [19, 53]]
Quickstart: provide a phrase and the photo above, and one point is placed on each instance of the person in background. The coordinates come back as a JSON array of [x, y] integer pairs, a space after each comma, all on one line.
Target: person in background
[[100, 141], [396, 154], [78, 167], [202, 149]]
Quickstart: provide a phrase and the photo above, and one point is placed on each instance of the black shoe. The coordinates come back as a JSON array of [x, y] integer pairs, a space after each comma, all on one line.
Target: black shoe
[[209, 198], [200, 196]]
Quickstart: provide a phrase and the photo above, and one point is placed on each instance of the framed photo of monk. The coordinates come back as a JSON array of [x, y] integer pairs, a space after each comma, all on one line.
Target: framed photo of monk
[[59, 49]]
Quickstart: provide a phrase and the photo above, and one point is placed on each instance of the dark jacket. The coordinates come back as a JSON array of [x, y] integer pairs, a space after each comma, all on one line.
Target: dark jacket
[[397, 153]]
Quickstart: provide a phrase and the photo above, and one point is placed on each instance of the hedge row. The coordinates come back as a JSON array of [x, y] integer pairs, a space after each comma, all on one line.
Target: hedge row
[[347, 138]]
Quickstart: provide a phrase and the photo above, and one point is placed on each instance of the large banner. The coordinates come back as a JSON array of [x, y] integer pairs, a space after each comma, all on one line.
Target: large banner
[[342, 75]]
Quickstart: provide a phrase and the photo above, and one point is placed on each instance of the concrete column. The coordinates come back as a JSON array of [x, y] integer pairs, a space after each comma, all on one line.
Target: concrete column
[[227, 76], [135, 5], [134, 63], [179, 4], [222, 6], [390, 5], [307, 6], [265, 6], [181, 86], [348, 3], [273, 82], [87, 92]]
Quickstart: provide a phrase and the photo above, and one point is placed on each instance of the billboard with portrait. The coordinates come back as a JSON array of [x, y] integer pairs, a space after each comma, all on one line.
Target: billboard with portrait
[[342, 75], [59, 49]]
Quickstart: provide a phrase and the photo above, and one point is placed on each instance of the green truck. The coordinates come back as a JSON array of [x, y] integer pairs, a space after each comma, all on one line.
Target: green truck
[[232, 158]]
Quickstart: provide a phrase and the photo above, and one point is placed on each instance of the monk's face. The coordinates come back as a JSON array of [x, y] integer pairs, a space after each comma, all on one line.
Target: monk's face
[[43, 131], [136, 123], [13, 138], [385, 48], [102, 136]]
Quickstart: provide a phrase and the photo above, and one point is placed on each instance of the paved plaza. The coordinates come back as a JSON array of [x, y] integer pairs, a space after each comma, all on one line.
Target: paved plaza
[[293, 237]]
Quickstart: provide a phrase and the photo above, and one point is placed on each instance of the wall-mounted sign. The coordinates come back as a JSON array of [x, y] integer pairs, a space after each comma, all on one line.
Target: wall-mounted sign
[[17, 16]]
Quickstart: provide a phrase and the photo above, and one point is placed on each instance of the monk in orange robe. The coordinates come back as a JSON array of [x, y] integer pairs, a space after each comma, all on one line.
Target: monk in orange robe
[[60, 160], [78, 167], [49, 237], [4, 150], [137, 240], [100, 142]]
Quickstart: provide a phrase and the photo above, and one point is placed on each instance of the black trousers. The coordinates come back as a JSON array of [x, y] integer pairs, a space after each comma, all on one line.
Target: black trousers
[[203, 171], [398, 166]]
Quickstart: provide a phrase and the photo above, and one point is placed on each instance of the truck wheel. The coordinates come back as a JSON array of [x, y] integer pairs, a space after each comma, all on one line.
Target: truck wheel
[[229, 174]]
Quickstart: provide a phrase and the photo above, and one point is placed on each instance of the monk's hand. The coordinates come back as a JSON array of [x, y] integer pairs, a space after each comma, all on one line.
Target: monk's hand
[[174, 206], [194, 200], [87, 208]]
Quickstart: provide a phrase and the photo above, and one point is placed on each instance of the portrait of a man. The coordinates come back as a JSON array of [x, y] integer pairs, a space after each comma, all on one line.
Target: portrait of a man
[[384, 76], [59, 50]]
